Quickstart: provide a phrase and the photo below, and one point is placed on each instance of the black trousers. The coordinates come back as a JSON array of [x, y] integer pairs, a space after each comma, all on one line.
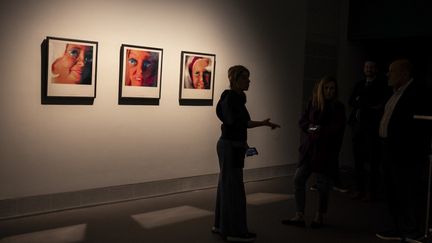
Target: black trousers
[[405, 187], [367, 155], [230, 212]]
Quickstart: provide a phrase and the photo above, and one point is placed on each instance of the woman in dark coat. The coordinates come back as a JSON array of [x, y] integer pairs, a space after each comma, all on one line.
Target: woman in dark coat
[[323, 125]]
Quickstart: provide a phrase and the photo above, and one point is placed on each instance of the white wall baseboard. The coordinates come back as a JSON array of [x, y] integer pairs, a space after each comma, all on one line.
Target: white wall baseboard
[[27, 206]]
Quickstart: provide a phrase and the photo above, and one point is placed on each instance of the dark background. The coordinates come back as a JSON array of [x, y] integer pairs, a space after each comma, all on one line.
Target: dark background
[[390, 29]]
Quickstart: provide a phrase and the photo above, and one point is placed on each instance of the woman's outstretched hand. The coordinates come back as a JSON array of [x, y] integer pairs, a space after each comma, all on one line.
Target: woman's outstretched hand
[[268, 123]]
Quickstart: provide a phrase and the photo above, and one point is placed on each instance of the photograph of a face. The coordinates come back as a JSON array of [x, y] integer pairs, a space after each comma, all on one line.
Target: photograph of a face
[[197, 75], [71, 69], [140, 72]]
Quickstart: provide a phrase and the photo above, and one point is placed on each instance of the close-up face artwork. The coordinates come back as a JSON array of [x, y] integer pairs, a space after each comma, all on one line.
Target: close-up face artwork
[[140, 68], [74, 66], [200, 74]]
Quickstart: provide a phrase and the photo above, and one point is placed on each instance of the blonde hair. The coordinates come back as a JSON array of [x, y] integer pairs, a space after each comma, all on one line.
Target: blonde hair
[[234, 73], [318, 99]]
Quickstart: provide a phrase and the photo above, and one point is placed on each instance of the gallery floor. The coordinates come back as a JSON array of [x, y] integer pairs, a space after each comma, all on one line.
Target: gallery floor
[[188, 217]]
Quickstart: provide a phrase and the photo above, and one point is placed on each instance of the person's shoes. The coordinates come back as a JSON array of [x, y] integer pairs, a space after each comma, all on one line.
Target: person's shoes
[[215, 230], [318, 221], [409, 240], [389, 235], [340, 189], [369, 198], [294, 222], [248, 237], [413, 238], [314, 187], [316, 224], [358, 195]]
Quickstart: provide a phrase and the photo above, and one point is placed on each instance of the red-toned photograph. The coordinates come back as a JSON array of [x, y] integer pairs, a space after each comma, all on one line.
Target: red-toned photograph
[[71, 69], [197, 76], [140, 72]]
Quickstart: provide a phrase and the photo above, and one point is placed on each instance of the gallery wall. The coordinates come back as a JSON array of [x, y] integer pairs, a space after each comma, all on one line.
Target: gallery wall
[[48, 149]]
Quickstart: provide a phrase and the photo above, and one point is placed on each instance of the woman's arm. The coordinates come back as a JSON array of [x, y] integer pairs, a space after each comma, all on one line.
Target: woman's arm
[[304, 122], [266, 122]]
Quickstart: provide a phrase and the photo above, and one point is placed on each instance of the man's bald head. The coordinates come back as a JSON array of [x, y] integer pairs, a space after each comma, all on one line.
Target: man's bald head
[[399, 73]]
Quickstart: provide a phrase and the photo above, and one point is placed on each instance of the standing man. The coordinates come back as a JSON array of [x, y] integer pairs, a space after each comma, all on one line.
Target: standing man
[[367, 105], [406, 146]]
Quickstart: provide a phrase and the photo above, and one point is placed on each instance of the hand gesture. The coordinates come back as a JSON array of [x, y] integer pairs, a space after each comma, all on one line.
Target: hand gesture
[[268, 123]]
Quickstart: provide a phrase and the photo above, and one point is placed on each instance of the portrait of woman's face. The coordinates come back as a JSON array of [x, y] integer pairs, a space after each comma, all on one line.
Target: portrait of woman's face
[[140, 69], [197, 76], [200, 75], [74, 67]]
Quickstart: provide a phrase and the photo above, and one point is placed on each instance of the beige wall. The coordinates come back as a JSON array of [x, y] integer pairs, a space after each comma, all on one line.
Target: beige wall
[[58, 148]]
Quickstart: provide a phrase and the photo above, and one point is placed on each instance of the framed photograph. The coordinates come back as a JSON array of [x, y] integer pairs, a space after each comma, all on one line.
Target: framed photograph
[[70, 68], [140, 72], [197, 76]]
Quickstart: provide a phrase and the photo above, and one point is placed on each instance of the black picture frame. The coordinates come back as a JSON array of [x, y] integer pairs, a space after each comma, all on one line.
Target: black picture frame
[[140, 75], [197, 78], [69, 71]]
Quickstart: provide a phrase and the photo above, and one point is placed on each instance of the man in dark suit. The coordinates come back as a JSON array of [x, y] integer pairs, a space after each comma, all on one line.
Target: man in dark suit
[[367, 102], [406, 145]]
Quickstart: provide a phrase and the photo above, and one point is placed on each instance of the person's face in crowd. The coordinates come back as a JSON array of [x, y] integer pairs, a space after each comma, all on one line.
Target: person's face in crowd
[[329, 90], [370, 69], [243, 81], [200, 75], [69, 67], [139, 69], [396, 75]]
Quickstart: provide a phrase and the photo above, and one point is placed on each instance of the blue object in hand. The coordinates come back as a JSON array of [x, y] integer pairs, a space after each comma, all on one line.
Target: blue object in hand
[[251, 151]]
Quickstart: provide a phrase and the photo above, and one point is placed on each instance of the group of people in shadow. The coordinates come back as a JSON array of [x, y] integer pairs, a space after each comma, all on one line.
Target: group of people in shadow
[[391, 148]]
